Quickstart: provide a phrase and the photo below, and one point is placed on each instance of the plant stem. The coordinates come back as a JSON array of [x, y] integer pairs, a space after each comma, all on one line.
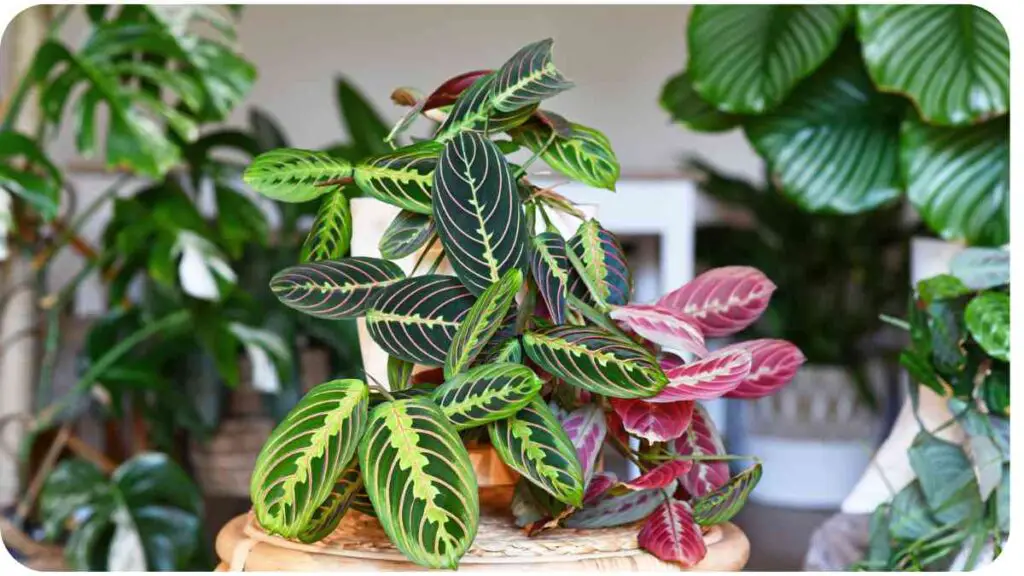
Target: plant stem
[[897, 322], [423, 254], [380, 390], [72, 229], [626, 451], [595, 316], [536, 155], [700, 458]]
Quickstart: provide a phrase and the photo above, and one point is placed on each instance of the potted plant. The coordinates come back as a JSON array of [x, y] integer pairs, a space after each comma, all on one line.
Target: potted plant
[[533, 339]]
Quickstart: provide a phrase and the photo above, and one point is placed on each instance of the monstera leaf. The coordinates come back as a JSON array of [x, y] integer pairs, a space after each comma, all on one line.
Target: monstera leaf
[[769, 50], [661, 476], [988, 320], [580, 152], [662, 326], [331, 234], [551, 270], [722, 301], [655, 422], [528, 77], [421, 482], [834, 145], [974, 161], [605, 511], [482, 322], [335, 289], [586, 428], [672, 535], [329, 514], [702, 439], [981, 268], [901, 45], [710, 377], [773, 364], [306, 454], [294, 175], [474, 112], [40, 183], [724, 503], [604, 268], [478, 213], [533, 443], [416, 318], [487, 393], [406, 234], [686, 107], [595, 360], [402, 177]]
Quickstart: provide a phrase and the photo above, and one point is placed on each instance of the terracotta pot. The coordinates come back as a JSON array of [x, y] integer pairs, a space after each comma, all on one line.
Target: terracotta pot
[[497, 482]]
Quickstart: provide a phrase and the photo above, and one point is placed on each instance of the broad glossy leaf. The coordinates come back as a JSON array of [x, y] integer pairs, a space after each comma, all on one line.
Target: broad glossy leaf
[[586, 428], [329, 514], [773, 364], [487, 393], [473, 112], [724, 503], [416, 318], [940, 287], [420, 479], [598, 485], [584, 154], [958, 179], [722, 301], [988, 320], [981, 268], [595, 360], [952, 61], [399, 373], [705, 379], [331, 234], [747, 59], [364, 125], [834, 144], [604, 264], [526, 78], [294, 175], [533, 443], [478, 213], [686, 107], [947, 479], [672, 535], [655, 422], [702, 439], [484, 319], [402, 177], [306, 454], [337, 289], [406, 234], [551, 270], [661, 476], [662, 326]]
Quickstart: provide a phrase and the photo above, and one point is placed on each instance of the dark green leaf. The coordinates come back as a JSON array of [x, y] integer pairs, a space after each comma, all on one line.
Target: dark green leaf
[[406, 234], [686, 107], [331, 234], [266, 131], [473, 112], [988, 320], [402, 177], [293, 175], [947, 479], [344, 288], [552, 272], [365, 127], [329, 514], [526, 78], [73, 484], [941, 287], [911, 519], [482, 322], [239, 221], [486, 393], [725, 502], [399, 373], [40, 186], [604, 266]]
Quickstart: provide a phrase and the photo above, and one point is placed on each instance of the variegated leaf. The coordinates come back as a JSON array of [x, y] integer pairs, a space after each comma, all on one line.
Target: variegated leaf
[[293, 175], [305, 455], [773, 364], [660, 476], [705, 379], [722, 301], [672, 535], [662, 326], [399, 373], [487, 393], [533, 443], [527, 77], [510, 351], [585, 154], [604, 265], [478, 213], [595, 360], [724, 503], [484, 319], [654, 422], [337, 289], [402, 177], [331, 234], [416, 319], [330, 513], [421, 482], [473, 112], [586, 428], [551, 270], [598, 485], [702, 439], [361, 502], [406, 234], [981, 268], [607, 511]]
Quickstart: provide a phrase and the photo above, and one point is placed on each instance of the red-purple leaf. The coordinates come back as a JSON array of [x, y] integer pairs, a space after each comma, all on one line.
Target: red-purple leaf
[[671, 534], [598, 485], [702, 439], [666, 328], [658, 477], [655, 422], [704, 379], [448, 92], [773, 365], [586, 428], [722, 301]]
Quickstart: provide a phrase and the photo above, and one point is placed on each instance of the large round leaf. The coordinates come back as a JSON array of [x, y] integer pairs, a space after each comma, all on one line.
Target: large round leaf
[[834, 145], [988, 320], [487, 393], [686, 107], [746, 59], [959, 179], [482, 322], [421, 482], [335, 289], [403, 177], [293, 175], [305, 455], [416, 318], [953, 61]]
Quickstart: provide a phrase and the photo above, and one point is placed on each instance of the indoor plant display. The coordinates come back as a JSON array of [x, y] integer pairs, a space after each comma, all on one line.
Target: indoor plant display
[[533, 339]]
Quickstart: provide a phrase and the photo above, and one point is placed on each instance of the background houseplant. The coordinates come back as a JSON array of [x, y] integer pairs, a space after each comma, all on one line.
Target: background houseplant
[[545, 374]]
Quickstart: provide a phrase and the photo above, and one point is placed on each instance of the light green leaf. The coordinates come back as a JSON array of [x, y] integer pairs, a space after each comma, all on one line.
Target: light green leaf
[[344, 288], [486, 393], [403, 177], [482, 322], [331, 234], [988, 320], [941, 287], [293, 175], [686, 107], [527, 78]]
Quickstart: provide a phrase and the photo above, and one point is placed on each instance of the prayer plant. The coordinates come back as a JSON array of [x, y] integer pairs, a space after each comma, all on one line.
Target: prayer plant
[[533, 339]]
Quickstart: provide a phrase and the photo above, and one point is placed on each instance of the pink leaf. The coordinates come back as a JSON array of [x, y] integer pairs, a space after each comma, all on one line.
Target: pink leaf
[[722, 301], [598, 485], [704, 379], [702, 439], [586, 427], [658, 477], [654, 422], [671, 534], [774, 363], [662, 326]]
